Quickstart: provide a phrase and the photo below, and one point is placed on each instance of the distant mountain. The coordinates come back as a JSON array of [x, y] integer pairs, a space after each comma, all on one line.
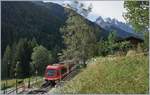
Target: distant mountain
[[122, 30]]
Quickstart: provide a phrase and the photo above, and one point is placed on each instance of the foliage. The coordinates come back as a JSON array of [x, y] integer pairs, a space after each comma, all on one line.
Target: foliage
[[6, 62], [41, 57], [79, 37], [137, 14], [14, 60], [145, 44], [18, 70], [110, 46], [18, 52], [23, 56], [111, 75], [32, 20]]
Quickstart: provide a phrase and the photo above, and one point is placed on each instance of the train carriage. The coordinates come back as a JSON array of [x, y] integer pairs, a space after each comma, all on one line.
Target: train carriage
[[57, 72]]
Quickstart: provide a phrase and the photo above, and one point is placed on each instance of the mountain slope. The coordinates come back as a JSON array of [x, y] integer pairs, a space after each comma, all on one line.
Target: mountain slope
[[32, 19]]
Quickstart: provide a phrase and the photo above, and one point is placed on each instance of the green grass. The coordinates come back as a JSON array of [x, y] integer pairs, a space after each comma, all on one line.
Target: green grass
[[112, 75], [38, 84], [12, 82]]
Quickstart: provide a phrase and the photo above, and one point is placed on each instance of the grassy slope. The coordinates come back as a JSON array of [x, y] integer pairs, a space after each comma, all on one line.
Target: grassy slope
[[12, 82], [112, 75]]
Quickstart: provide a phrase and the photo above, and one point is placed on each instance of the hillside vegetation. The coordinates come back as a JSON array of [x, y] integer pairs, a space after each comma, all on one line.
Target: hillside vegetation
[[32, 20], [128, 74]]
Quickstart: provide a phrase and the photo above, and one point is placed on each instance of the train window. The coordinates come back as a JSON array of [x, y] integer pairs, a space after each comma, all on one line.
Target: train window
[[51, 72], [64, 70]]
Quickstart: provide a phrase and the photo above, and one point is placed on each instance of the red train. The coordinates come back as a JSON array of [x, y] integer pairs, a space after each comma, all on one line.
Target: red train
[[57, 72]]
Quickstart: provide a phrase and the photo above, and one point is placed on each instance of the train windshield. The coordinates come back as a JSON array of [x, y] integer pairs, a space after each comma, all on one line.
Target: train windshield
[[51, 72]]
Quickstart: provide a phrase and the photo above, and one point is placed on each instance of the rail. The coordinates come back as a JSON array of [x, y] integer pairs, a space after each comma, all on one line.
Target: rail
[[47, 88]]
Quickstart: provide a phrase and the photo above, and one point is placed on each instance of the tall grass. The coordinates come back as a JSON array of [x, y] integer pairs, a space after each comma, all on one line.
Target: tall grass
[[128, 75]]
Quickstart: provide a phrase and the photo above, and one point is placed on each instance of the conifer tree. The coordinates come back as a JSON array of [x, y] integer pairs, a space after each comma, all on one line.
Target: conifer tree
[[7, 58], [14, 60], [23, 55]]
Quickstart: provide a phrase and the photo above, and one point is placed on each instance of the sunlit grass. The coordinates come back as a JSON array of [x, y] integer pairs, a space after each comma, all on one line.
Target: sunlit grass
[[112, 75]]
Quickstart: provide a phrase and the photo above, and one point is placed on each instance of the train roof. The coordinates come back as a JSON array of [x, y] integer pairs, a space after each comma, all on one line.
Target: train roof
[[57, 66]]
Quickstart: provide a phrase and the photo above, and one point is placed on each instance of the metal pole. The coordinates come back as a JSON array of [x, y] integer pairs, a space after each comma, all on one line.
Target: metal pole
[[6, 85], [16, 77], [7, 74], [16, 86], [4, 88]]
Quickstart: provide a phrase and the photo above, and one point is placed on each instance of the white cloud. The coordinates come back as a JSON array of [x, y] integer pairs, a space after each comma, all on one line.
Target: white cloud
[[112, 9]]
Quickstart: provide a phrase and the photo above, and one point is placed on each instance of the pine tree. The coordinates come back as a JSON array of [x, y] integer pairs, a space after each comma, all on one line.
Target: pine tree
[[23, 55], [13, 62]]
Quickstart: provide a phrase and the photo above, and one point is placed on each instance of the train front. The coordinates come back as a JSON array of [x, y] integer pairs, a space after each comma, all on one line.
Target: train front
[[52, 73]]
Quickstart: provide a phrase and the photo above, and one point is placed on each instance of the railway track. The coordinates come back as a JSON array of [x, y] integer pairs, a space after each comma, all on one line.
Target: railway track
[[46, 87], [43, 89], [20, 89], [67, 78]]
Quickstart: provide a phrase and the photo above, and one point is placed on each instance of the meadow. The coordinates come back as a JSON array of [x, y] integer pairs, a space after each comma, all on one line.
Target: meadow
[[121, 74]]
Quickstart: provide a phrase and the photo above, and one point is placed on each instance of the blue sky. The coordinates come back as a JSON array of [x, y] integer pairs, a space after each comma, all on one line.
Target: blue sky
[[112, 9]]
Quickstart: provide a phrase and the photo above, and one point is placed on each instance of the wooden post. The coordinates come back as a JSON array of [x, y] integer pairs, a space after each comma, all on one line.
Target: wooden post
[[29, 83], [36, 75]]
